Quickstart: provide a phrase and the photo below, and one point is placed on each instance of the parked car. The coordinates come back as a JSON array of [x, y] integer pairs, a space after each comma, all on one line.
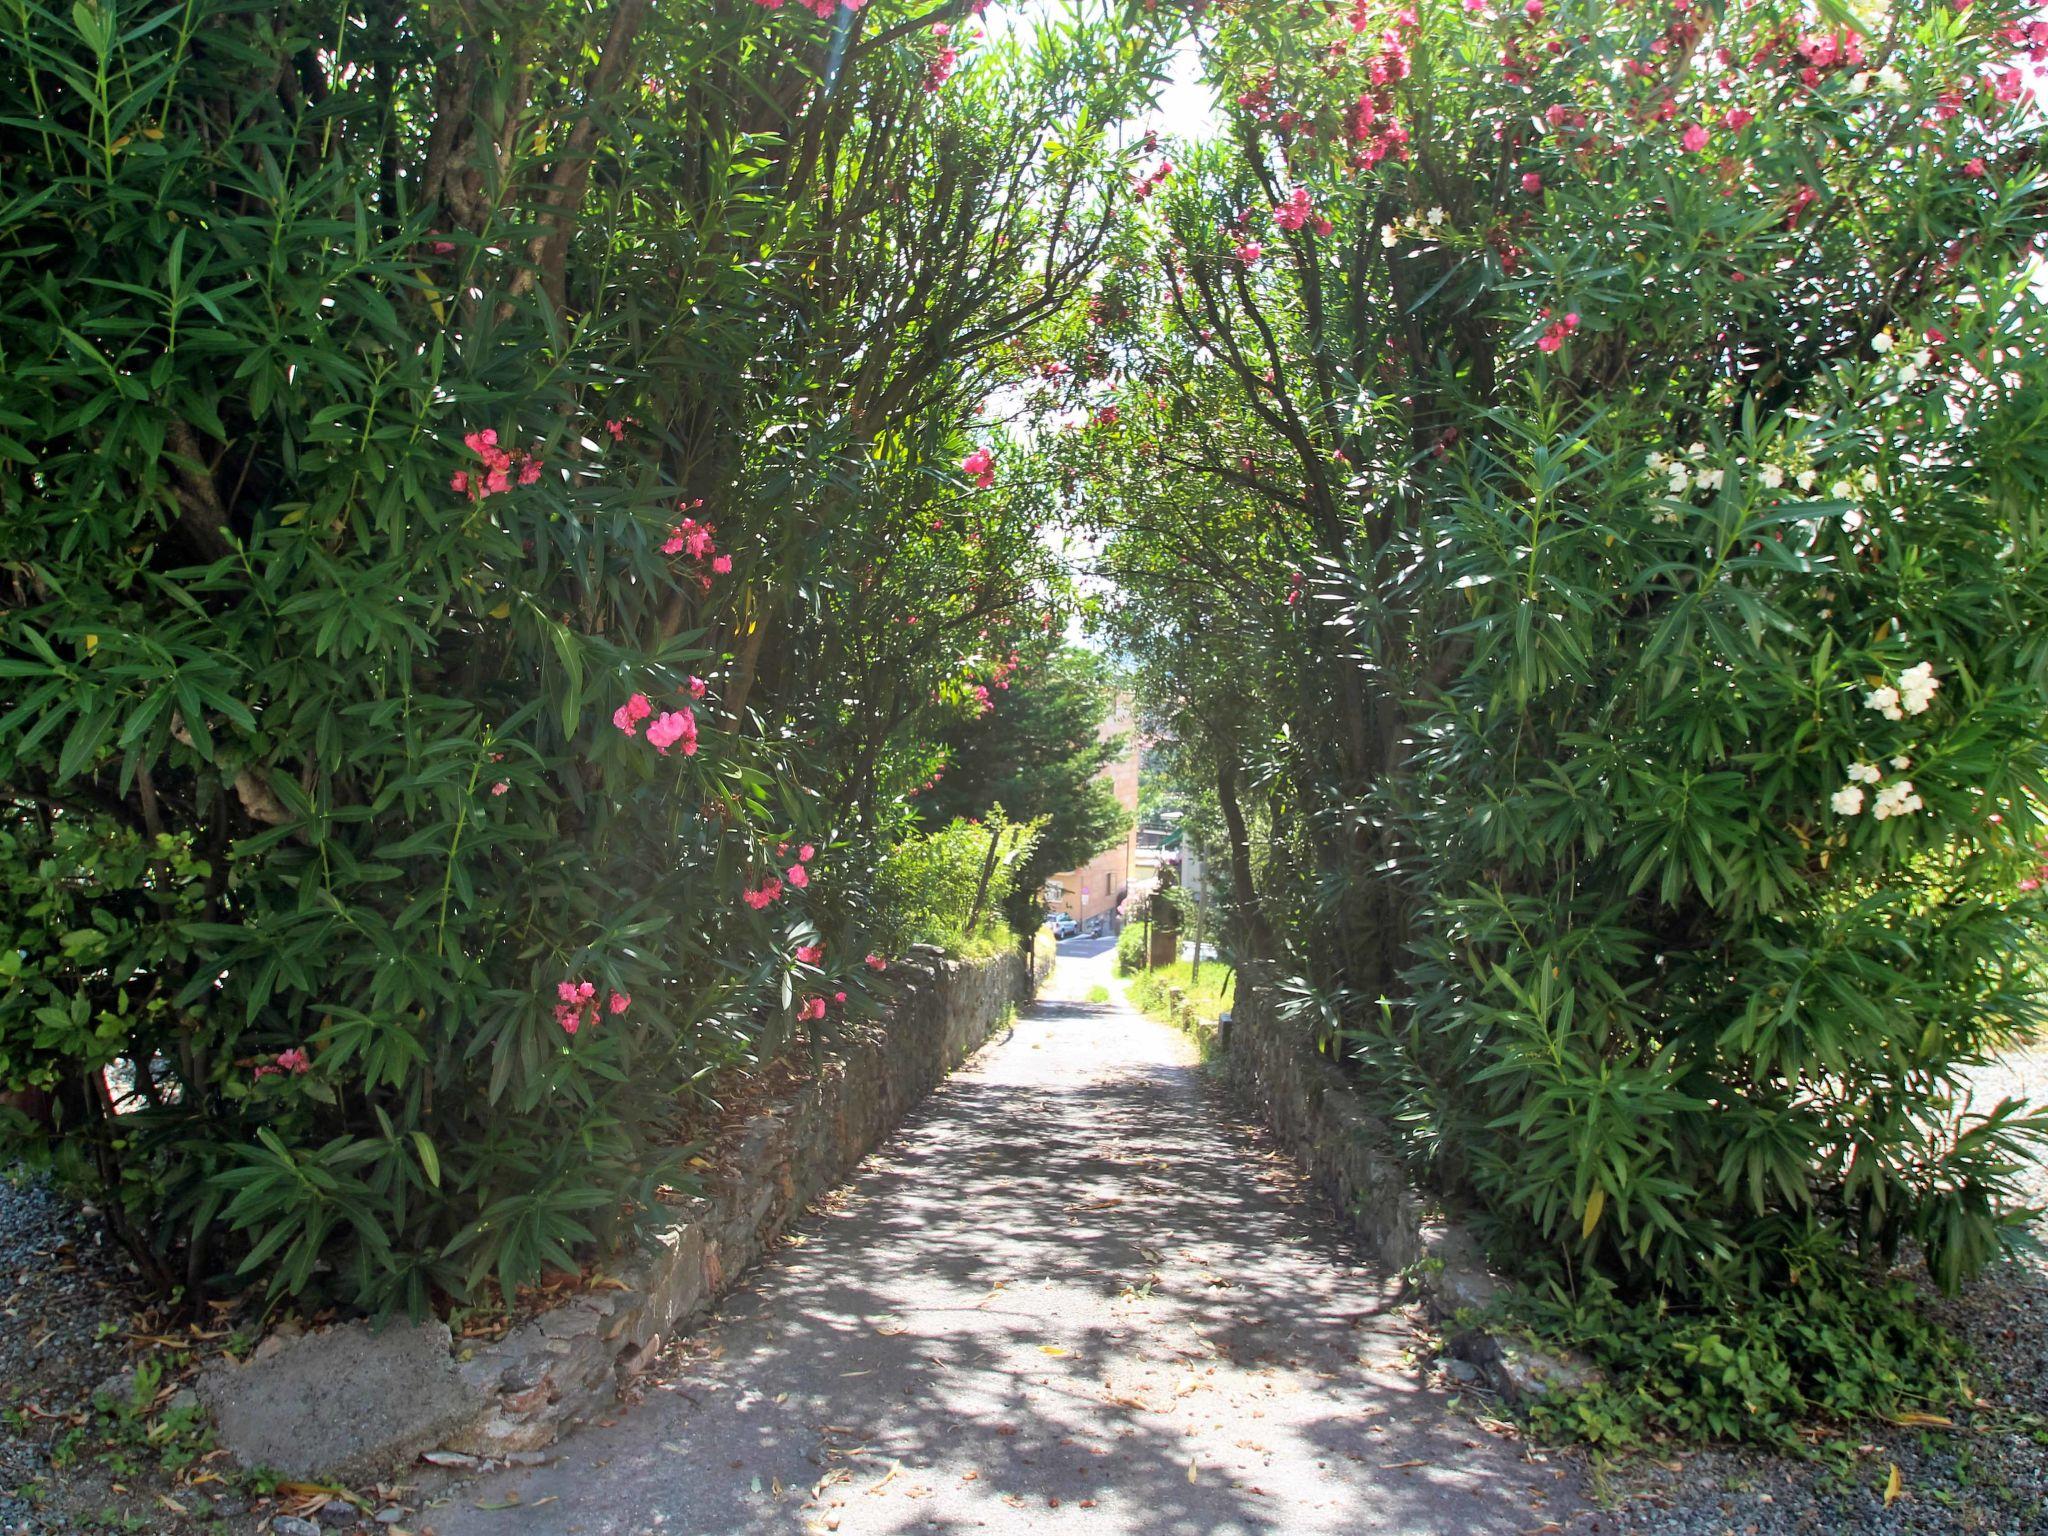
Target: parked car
[[1063, 926]]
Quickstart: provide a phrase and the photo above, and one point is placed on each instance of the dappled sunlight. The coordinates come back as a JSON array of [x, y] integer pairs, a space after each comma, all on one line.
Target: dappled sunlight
[[1069, 1287]]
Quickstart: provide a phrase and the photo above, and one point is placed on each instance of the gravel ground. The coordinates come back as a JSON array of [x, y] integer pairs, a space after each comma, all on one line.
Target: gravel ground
[[1986, 1477], [63, 1320]]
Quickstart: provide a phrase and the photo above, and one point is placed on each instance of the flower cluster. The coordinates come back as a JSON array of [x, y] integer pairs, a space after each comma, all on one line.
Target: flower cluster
[[699, 542], [1146, 185], [576, 1005], [500, 469], [673, 726], [1556, 331], [1915, 363], [1298, 211], [1913, 695], [290, 1062], [980, 467], [1416, 226], [664, 729], [944, 61]]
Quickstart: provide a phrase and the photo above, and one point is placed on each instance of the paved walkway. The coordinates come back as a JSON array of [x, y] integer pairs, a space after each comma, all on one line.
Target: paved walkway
[[1067, 1296]]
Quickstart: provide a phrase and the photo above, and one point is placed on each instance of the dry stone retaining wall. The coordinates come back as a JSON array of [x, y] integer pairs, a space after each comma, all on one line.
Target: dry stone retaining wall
[[1307, 1101], [518, 1393]]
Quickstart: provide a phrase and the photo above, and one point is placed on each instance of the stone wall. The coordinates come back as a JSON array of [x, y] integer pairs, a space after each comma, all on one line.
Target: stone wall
[[1305, 1099], [1348, 1154], [518, 1393]]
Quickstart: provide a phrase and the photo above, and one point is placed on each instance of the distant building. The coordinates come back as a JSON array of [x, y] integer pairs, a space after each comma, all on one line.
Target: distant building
[[1096, 887]]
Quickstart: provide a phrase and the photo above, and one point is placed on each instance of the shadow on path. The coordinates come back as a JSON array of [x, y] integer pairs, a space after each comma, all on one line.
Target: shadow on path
[[1067, 1295]]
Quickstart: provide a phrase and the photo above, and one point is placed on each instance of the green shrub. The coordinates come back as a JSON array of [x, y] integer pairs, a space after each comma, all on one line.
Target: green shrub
[[388, 396], [1130, 949], [948, 887], [1583, 517]]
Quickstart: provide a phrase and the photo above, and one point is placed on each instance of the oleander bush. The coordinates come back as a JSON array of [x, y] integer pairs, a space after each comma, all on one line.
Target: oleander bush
[[1578, 478], [458, 466]]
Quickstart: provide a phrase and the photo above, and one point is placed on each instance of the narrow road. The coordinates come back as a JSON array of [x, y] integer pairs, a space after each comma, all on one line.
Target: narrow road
[[1069, 1295]]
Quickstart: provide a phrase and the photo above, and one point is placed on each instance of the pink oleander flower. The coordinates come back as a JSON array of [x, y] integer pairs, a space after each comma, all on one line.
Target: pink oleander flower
[[628, 715], [1737, 118], [876, 963], [1249, 253], [617, 430], [1295, 212], [807, 853], [1531, 182], [459, 481], [620, 1002], [501, 786], [810, 954], [839, 997], [722, 565], [813, 1008], [1694, 139], [672, 726], [576, 1005], [697, 688], [798, 876], [294, 1060], [1555, 333], [980, 467]]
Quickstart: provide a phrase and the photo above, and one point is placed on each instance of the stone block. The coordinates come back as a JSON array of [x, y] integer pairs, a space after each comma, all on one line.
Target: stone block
[[349, 1401]]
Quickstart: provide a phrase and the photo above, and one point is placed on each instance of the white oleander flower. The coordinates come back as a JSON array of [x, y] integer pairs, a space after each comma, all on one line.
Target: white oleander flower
[[1842, 490], [1808, 478], [1846, 801], [1886, 702], [1712, 479], [1917, 686], [1658, 462], [1868, 480], [1389, 236], [1864, 773], [1772, 476], [1896, 799], [1881, 343], [1902, 763], [1696, 451]]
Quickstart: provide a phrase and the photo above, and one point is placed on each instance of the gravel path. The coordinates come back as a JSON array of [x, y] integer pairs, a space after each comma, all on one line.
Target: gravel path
[[1065, 1297]]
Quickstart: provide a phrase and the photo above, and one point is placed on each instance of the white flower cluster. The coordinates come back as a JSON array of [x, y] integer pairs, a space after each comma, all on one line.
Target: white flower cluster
[[1688, 472], [1895, 799], [1849, 490], [1887, 79], [1916, 363], [1913, 694], [1419, 226]]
